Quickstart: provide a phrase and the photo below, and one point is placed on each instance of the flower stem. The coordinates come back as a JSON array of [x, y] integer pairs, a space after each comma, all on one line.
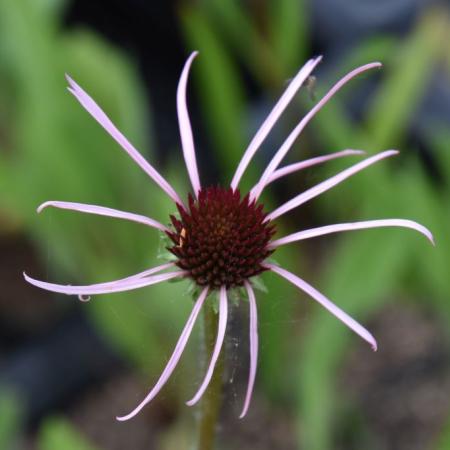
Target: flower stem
[[212, 399]]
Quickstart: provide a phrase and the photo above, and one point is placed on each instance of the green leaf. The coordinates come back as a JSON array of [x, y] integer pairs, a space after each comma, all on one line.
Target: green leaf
[[361, 274], [431, 274], [56, 433], [375, 48], [239, 30], [220, 89], [258, 284], [52, 7], [406, 79], [10, 419], [289, 37], [443, 441]]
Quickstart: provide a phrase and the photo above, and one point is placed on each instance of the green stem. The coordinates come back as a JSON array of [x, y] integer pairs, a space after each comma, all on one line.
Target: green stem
[[212, 399]]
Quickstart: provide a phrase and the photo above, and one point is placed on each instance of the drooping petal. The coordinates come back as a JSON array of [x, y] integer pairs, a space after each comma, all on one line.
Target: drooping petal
[[97, 113], [103, 211], [223, 314], [253, 347], [187, 140], [327, 304], [139, 275], [272, 118], [136, 276], [328, 184], [310, 162], [173, 361], [286, 146], [105, 288], [339, 227]]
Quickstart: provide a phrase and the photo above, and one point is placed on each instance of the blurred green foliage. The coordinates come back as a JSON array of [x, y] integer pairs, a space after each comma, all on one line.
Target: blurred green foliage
[[57, 432], [10, 419], [443, 442], [360, 273], [52, 149]]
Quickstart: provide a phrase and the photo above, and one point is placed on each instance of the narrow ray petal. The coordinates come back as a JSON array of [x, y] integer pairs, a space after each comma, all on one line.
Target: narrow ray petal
[[281, 153], [136, 276], [97, 113], [253, 347], [327, 304], [187, 140], [103, 211], [337, 228], [104, 288], [139, 275], [328, 184], [173, 361], [223, 313], [310, 162], [272, 118]]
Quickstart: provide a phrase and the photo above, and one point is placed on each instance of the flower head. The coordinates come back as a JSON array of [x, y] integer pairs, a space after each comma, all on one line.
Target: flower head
[[221, 240]]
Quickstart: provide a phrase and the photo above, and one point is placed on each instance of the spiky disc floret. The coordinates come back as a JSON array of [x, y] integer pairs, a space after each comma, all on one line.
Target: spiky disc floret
[[222, 239]]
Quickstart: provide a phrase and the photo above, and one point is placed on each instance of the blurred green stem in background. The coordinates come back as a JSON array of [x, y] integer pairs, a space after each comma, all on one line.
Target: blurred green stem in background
[[212, 399], [11, 411]]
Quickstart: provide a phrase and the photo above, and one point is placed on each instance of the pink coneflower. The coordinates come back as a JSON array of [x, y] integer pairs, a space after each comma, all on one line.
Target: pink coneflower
[[222, 239]]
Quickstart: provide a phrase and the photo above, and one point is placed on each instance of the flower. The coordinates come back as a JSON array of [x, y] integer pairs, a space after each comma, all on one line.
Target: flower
[[221, 240]]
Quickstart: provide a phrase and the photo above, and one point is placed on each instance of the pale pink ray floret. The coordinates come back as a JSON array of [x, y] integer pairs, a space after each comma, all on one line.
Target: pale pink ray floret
[[272, 173]]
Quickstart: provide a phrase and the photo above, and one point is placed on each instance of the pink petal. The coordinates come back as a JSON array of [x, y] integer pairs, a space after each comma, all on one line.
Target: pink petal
[[173, 361], [337, 228], [143, 274], [281, 153], [187, 140], [223, 313], [272, 118], [105, 288], [97, 113], [253, 347], [328, 184], [327, 304], [310, 162], [103, 211]]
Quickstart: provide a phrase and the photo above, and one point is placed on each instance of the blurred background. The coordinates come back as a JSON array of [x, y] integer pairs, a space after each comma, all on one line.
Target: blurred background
[[68, 368]]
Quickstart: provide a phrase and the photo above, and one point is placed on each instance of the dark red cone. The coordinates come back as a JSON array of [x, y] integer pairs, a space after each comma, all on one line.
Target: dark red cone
[[222, 239]]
